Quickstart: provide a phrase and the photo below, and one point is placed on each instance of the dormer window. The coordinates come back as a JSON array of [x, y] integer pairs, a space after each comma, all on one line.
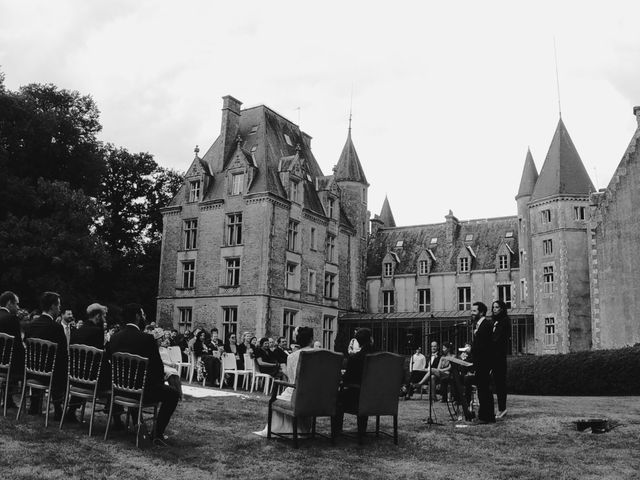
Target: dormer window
[[287, 139], [503, 262], [237, 185], [509, 234], [468, 237], [295, 191], [399, 243], [254, 148], [388, 269], [423, 267], [254, 129], [194, 191], [464, 264], [434, 241], [330, 206]]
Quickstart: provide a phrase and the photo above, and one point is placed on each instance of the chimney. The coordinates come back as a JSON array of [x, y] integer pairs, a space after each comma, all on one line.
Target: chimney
[[636, 112], [375, 225], [452, 227], [230, 124]]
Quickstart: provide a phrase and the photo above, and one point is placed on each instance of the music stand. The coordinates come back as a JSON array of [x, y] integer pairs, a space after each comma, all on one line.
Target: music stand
[[430, 419]]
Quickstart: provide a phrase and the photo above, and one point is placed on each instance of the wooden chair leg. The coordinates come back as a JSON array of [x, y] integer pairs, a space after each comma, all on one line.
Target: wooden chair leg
[[46, 417], [6, 396], [395, 429], [106, 432], [65, 405], [269, 417], [22, 398], [93, 410], [295, 432]]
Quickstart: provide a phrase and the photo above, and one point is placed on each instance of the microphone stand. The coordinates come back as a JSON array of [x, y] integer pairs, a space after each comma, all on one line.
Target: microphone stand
[[430, 420]]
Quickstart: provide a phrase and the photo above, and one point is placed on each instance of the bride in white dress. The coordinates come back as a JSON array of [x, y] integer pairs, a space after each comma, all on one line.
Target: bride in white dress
[[282, 423]]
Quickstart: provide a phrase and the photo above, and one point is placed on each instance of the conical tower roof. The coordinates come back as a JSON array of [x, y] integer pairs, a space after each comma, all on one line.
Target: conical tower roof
[[349, 167], [529, 177], [385, 214], [563, 172]]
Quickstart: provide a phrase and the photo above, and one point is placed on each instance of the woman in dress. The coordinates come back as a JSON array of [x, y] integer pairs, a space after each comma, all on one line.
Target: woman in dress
[[231, 347], [281, 423], [207, 366]]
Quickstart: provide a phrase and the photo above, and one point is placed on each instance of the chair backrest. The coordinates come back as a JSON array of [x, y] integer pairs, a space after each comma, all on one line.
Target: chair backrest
[[40, 356], [249, 364], [317, 381], [128, 373], [6, 352], [382, 376], [175, 354], [229, 361], [84, 364]]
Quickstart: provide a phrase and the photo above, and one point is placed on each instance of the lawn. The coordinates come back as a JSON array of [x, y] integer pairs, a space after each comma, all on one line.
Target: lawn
[[211, 439]]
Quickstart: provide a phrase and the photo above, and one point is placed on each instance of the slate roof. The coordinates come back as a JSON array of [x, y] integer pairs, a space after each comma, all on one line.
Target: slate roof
[[349, 167], [386, 216], [529, 176], [488, 236], [563, 172]]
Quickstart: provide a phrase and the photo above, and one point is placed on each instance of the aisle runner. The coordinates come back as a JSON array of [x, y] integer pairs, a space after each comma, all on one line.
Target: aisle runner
[[201, 392]]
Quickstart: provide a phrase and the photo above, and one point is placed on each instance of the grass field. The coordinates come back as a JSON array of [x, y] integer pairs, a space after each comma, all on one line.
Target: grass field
[[211, 439]]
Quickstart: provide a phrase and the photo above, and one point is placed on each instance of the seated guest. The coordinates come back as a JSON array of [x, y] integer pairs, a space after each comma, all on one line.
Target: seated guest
[[349, 395], [92, 334], [278, 353], [354, 346], [231, 347], [439, 373], [244, 346], [254, 346], [214, 342], [46, 328], [131, 339], [282, 423], [10, 324], [266, 364], [417, 370], [208, 365], [431, 363]]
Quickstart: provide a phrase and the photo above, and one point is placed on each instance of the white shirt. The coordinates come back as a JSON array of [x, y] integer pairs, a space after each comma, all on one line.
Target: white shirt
[[418, 362]]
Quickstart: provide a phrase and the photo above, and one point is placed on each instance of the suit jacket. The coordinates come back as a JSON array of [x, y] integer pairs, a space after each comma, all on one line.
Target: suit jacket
[[483, 346], [434, 361], [10, 324], [45, 328], [93, 336], [501, 336], [131, 340]]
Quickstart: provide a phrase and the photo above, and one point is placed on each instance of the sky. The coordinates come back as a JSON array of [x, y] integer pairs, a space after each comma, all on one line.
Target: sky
[[446, 97]]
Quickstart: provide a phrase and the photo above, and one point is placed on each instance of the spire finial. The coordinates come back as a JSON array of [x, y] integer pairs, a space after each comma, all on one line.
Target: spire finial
[[196, 150], [350, 109], [239, 139], [298, 148]]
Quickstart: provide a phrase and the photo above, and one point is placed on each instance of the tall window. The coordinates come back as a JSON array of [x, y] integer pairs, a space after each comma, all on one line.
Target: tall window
[[233, 272], [330, 285], [546, 216], [387, 301], [464, 298], [464, 264], [504, 294], [547, 274], [330, 207], [295, 191], [237, 184], [229, 321], [188, 274], [423, 267], [331, 249], [313, 244], [424, 300], [292, 236], [194, 191], [579, 213], [185, 319], [190, 234], [291, 276], [327, 331], [503, 262], [547, 247], [388, 269], [549, 331], [522, 288], [311, 285], [288, 325], [234, 229]]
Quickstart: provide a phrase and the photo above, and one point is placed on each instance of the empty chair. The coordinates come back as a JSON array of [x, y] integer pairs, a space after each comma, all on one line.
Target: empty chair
[[250, 364], [40, 361], [382, 376], [229, 367], [83, 379], [315, 392], [6, 358], [129, 376], [176, 357]]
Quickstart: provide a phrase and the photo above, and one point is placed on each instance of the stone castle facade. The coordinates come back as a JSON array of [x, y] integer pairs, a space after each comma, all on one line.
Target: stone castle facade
[[259, 239]]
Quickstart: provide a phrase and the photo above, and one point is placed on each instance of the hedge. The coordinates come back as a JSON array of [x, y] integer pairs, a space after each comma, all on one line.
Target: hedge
[[597, 372]]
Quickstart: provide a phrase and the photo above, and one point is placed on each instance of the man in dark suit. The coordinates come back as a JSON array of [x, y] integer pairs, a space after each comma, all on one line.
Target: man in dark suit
[[46, 328], [482, 350], [10, 324], [501, 341], [132, 339], [215, 343]]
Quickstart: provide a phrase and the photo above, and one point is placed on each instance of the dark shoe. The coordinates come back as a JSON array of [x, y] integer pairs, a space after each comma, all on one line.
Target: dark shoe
[[485, 422]]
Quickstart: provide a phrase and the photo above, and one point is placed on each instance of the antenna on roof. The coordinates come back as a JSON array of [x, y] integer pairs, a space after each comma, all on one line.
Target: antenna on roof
[[298, 109], [555, 55], [351, 108]]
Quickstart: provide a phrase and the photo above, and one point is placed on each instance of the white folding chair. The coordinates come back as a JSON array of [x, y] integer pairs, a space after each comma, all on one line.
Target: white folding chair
[[230, 367], [176, 358], [250, 364]]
